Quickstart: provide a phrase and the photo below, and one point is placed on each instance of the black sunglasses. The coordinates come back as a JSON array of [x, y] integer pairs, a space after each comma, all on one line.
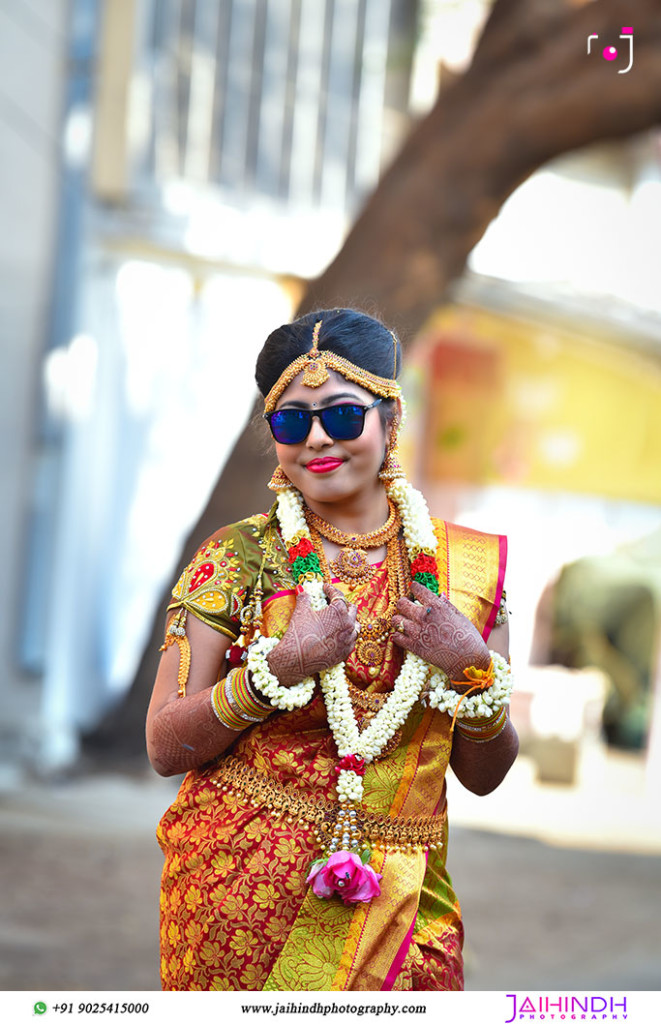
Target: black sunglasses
[[342, 422]]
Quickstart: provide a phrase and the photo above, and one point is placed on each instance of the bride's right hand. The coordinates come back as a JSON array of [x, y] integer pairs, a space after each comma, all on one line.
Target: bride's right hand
[[314, 640]]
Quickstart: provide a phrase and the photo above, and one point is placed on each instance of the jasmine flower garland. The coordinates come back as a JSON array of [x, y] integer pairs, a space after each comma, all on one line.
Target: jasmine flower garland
[[358, 749], [281, 697], [420, 542], [479, 705]]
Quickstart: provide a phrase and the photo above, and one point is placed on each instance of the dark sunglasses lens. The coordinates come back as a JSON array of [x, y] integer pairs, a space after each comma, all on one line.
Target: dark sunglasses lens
[[343, 422], [290, 426]]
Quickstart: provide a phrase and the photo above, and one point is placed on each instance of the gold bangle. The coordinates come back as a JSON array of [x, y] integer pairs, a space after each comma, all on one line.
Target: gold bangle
[[223, 710], [488, 730], [234, 702], [241, 694]]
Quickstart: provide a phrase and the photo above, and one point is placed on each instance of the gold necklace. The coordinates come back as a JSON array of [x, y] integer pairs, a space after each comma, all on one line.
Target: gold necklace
[[351, 564], [372, 639], [374, 539]]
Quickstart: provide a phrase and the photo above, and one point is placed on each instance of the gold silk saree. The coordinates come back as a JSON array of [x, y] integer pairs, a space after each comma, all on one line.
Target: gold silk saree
[[236, 913]]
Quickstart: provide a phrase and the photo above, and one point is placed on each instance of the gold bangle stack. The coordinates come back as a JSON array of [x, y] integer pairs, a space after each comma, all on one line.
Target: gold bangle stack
[[235, 703], [485, 731]]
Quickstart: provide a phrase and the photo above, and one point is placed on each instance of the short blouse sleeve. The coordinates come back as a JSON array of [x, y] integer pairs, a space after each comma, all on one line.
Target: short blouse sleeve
[[214, 585]]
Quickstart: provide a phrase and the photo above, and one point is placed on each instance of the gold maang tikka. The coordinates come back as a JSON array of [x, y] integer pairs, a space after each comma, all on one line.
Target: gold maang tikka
[[314, 366], [314, 372]]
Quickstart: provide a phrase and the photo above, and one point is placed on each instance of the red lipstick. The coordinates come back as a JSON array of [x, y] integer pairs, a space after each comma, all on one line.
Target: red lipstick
[[323, 465]]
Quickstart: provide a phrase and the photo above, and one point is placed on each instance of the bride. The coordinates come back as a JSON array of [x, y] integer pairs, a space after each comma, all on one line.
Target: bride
[[323, 665]]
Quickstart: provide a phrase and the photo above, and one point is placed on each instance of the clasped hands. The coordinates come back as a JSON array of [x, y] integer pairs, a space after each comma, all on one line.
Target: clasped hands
[[433, 629]]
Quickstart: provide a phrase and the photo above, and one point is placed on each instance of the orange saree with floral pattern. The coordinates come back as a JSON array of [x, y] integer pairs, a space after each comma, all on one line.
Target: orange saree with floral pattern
[[236, 913]]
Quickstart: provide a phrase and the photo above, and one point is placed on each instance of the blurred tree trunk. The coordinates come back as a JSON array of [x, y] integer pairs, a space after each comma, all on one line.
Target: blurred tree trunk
[[530, 94]]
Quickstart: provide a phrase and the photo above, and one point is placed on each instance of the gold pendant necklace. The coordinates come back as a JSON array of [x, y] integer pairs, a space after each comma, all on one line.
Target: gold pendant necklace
[[351, 564], [372, 640]]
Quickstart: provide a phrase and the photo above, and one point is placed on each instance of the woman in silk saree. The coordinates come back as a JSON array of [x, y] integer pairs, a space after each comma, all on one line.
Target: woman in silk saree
[[262, 801]]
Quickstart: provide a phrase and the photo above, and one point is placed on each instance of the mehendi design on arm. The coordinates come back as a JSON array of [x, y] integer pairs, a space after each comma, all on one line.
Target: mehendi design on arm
[[186, 734]]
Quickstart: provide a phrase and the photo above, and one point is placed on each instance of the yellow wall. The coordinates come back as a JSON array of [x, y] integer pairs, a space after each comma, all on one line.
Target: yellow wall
[[532, 404]]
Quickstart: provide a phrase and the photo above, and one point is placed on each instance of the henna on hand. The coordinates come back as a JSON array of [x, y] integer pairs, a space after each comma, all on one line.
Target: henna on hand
[[438, 632], [186, 734], [314, 640]]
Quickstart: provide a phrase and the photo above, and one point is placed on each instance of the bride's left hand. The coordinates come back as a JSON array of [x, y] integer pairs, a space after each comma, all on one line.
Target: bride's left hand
[[438, 632]]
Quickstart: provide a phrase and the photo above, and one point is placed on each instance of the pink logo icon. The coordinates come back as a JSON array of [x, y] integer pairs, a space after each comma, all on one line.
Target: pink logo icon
[[609, 53]]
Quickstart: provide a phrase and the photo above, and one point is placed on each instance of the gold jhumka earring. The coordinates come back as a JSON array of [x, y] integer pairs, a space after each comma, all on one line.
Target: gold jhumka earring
[[279, 480], [391, 468]]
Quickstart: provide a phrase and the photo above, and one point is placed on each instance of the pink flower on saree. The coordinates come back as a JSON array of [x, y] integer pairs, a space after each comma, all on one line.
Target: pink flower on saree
[[344, 874], [352, 763]]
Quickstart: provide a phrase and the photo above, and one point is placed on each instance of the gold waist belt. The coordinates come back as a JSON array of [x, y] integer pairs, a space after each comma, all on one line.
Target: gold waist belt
[[286, 801]]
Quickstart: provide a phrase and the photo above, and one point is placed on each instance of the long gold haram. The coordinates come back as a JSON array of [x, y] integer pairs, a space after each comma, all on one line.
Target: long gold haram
[[370, 646]]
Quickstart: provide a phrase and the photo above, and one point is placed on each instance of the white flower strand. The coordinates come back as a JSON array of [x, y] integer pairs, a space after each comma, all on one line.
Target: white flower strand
[[334, 686], [385, 723], [479, 705], [290, 515], [418, 534], [349, 786], [282, 697], [414, 512]]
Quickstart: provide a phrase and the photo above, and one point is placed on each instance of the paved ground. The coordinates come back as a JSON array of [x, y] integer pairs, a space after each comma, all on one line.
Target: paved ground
[[565, 907]]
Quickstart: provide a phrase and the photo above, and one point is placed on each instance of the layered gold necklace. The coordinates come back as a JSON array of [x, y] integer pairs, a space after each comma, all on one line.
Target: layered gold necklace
[[351, 564], [351, 567]]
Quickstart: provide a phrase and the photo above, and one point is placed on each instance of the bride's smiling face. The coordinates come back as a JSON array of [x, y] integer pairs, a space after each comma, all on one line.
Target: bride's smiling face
[[325, 469]]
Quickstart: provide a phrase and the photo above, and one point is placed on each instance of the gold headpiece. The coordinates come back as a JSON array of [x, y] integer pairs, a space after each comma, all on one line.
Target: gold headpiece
[[315, 364]]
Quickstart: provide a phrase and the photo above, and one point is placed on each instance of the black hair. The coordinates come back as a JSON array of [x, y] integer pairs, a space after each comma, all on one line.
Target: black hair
[[355, 336]]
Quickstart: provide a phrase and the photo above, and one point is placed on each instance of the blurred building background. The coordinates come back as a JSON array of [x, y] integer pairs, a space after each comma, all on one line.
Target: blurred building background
[[181, 166], [173, 171]]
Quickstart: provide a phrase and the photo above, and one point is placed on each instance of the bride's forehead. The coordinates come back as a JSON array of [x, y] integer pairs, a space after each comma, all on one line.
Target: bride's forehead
[[336, 386]]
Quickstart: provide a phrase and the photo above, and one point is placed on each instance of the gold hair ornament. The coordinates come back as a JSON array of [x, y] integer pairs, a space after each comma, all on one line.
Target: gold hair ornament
[[315, 364]]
